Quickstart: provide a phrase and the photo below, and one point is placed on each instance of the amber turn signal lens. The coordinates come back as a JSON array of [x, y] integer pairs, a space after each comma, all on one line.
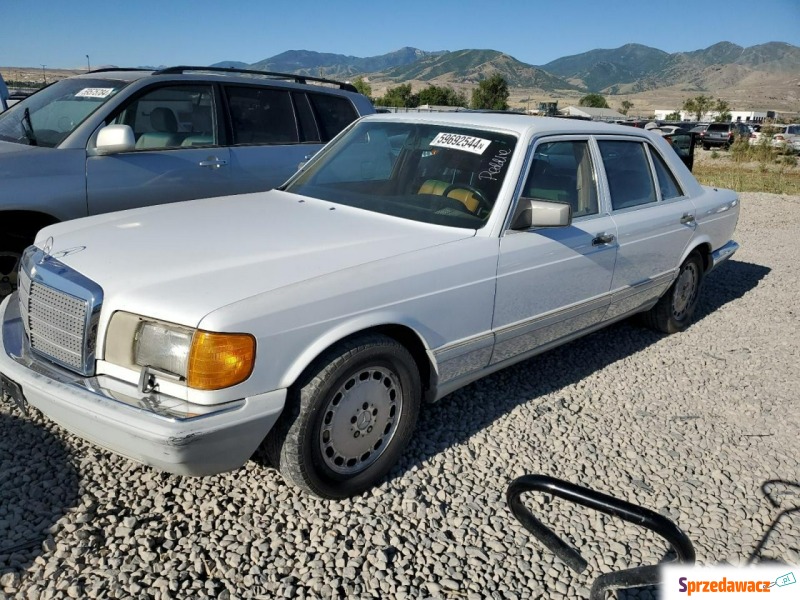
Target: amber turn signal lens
[[220, 360]]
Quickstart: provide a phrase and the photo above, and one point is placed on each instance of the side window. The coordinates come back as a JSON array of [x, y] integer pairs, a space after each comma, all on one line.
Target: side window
[[261, 116], [628, 171], [334, 113], [666, 180], [308, 128], [563, 172], [172, 117]]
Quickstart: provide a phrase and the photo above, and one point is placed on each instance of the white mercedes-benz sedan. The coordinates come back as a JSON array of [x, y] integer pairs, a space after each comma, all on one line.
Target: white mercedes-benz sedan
[[411, 256]]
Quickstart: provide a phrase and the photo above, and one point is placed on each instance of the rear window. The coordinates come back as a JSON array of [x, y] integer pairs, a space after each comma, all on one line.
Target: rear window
[[719, 127]]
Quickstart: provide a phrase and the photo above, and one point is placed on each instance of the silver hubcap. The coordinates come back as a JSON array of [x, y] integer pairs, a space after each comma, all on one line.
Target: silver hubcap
[[9, 265], [360, 420], [685, 290]]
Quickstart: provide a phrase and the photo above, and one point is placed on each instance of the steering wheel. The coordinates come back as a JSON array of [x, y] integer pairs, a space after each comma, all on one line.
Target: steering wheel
[[482, 201]]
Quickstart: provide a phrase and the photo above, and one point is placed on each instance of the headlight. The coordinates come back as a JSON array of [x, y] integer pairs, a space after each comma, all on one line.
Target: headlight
[[163, 347], [204, 360]]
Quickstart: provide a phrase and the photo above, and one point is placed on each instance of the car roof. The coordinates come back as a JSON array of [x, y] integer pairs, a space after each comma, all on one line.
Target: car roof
[[514, 122]]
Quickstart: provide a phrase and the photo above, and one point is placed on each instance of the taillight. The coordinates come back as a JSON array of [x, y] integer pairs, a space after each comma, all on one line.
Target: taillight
[[779, 138]]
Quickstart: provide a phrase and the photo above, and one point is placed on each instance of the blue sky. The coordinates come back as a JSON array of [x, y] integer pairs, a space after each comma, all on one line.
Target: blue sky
[[61, 33]]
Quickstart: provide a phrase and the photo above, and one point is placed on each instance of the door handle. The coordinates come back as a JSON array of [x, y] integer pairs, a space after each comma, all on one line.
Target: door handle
[[602, 239], [687, 219], [213, 162]]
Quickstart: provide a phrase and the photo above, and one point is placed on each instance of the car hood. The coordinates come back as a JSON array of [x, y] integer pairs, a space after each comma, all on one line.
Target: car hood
[[178, 262], [14, 148]]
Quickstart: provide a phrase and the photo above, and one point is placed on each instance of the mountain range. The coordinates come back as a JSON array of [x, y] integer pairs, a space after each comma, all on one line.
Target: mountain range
[[631, 68]]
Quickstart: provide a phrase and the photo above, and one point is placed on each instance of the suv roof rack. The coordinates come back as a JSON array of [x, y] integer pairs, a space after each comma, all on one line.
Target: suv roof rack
[[271, 74], [118, 69]]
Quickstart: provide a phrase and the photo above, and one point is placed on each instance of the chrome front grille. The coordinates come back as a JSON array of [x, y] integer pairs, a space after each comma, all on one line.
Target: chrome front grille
[[60, 310], [57, 324]]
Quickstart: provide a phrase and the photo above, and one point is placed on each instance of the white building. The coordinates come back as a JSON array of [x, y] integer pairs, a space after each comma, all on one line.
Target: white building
[[745, 116]]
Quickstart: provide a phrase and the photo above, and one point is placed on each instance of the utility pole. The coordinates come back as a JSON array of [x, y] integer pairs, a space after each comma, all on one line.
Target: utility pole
[[88, 64], [44, 74]]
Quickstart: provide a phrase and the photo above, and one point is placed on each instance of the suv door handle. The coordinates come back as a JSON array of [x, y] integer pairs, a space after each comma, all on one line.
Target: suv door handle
[[602, 239], [213, 162], [686, 219]]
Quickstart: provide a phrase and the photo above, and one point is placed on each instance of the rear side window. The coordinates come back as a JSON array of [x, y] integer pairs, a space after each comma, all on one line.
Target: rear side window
[[666, 180], [334, 113], [628, 172], [261, 116], [308, 127]]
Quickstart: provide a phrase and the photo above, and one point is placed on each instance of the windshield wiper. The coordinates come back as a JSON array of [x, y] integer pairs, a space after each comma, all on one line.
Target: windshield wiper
[[29, 133]]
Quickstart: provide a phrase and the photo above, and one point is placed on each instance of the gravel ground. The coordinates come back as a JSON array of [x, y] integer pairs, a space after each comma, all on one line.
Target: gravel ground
[[692, 425]]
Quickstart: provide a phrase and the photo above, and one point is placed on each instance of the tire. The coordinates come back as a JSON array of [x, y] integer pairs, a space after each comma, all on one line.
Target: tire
[[9, 267], [348, 419], [10, 255], [675, 309]]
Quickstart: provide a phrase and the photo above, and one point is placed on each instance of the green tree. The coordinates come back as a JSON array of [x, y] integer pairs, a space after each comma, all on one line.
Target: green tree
[[441, 96], [399, 96], [626, 106], [491, 94], [593, 101], [362, 86], [674, 116], [699, 105], [723, 110]]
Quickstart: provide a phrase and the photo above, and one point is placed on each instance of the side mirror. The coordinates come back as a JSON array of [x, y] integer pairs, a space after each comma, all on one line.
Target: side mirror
[[538, 213], [113, 139]]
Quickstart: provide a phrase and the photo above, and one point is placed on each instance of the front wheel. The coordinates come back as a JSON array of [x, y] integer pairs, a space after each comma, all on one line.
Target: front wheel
[[675, 309], [348, 419]]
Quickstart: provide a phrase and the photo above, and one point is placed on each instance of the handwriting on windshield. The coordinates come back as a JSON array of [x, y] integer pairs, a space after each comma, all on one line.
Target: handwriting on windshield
[[495, 166]]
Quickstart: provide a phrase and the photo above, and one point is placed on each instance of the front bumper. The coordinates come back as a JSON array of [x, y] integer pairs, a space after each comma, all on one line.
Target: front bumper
[[115, 415]]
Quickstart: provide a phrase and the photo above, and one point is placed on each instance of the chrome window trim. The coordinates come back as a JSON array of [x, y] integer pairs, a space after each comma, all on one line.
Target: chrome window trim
[[41, 268]]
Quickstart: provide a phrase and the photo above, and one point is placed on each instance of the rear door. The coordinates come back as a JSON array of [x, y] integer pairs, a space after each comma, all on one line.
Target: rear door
[[179, 154], [276, 129], [655, 221]]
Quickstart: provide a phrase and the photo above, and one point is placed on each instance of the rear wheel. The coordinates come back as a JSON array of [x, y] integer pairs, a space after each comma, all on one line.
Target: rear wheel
[[675, 309], [348, 419]]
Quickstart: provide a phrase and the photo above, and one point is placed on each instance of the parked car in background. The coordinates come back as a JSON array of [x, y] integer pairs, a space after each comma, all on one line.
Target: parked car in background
[[699, 132], [787, 137], [4, 95], [724, 134], [414, 254], [118, 138]]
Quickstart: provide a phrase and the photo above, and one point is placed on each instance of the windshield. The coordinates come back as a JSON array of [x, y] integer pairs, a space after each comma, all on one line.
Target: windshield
[[47, 117], [430, 173]]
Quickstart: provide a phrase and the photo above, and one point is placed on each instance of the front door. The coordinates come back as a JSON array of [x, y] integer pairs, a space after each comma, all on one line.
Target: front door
[[178, 155], [552, 283]]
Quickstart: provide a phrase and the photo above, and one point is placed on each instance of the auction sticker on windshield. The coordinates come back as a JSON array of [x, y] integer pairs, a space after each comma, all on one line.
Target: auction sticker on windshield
[[94, 93], [456, 141]]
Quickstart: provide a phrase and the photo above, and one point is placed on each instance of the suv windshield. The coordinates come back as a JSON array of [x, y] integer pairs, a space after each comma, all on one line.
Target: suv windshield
[[47, 117], [431, 173]]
